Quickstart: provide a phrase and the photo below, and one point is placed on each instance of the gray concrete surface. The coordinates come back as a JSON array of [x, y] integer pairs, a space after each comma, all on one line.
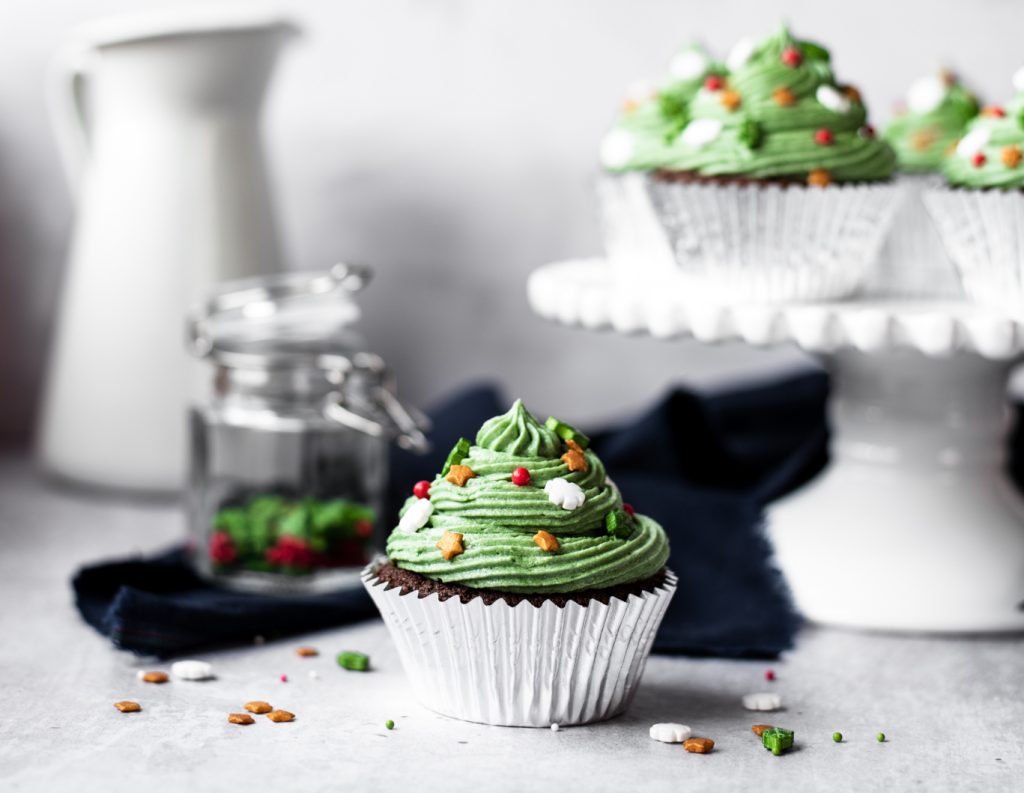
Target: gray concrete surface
[[952, 708]]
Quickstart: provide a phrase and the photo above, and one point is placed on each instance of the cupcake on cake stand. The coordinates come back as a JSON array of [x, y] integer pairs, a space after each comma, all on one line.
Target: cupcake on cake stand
[[914, 525]]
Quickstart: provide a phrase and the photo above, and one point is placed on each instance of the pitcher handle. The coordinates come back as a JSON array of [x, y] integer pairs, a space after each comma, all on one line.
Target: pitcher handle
[[66, 89]]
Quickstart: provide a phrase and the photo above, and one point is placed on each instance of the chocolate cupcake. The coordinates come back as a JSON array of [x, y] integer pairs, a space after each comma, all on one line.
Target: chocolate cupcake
[[519, 588], [777, 188], [980, 211]]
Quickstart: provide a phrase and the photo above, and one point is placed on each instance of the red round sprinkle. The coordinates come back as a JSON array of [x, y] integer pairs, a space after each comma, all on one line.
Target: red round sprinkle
[[769, 675], [792, 57], [284, 678], [521, 477], [979, 159], [628, 509], [867, 131], [824, 137], [713, 82], [995, 111], [421, 489]]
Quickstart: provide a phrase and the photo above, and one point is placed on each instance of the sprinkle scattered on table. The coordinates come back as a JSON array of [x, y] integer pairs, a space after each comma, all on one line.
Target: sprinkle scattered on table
[[762, 701], [258, 706], [390, 724], [127, 706], [284, 678], [698, 745], [307, 652], [555, 727], [354, 662], [880, 737], [669, 732], [313, 674], [241, 718], [837, 737], [769, 675], [155, 677], [777, 740], [759, 729], [280, 716], [192, 670]]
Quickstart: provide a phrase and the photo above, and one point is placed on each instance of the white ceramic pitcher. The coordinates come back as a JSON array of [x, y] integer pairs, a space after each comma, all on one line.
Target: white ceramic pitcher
[[157, 118]]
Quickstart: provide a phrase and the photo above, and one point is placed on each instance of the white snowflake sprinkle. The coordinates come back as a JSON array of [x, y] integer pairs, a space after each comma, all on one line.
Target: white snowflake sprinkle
[[565, 494], [416, 516], [670, 732], [762, 701], [701, 131], [926, 94], [831, 98]]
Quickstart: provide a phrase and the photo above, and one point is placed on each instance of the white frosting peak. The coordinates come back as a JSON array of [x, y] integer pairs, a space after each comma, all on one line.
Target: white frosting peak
[[926, 94]]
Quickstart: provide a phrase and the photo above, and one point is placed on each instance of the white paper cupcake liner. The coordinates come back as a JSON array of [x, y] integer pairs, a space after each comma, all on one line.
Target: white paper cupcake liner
[[635, 243], [913, 262], [765, 243], [983, 231], [522, 665]]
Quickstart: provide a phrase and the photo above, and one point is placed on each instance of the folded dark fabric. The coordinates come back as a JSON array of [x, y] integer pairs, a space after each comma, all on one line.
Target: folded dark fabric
[[703, 465]]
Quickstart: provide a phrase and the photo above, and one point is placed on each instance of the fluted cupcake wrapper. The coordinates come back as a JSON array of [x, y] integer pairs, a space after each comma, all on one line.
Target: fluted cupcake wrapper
[[769, 243], [913, 262], [983, 231], [522, 665]]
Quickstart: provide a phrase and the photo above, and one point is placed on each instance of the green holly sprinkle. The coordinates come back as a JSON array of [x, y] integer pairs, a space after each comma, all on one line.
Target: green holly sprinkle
[[457, 455], [567, 432], [750, 133], [354, 662], [390, 724], [619, 524], [837, 737], [777, 740]]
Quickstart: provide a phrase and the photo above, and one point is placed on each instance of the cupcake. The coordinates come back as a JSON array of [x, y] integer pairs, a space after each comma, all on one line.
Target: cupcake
[[914, 262], [980, 211], [651, 118], [518, 587], [777, 188]]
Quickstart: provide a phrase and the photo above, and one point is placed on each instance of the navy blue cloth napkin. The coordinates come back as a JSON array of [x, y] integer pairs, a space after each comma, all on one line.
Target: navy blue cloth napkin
[[702, 465]]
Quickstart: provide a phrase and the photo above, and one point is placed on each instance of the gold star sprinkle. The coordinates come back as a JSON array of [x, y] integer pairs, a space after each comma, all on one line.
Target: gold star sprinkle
[[819, 177], [127, 706], [450, 545], [852, 93], [460, 474], [784, 97], [922, 139], [545, 541], [730, 100], [1011, 156], [574, 459]]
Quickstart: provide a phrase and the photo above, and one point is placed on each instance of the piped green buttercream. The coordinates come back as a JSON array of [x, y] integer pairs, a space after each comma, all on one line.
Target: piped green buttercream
[[923, 138], [991, 153], [498, 520]]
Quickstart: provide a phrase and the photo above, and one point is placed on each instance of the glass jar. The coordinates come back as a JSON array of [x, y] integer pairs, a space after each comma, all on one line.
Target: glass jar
[[289, 453]]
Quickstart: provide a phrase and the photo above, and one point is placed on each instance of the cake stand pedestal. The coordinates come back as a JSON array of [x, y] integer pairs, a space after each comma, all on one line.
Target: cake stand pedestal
[[914, 525]]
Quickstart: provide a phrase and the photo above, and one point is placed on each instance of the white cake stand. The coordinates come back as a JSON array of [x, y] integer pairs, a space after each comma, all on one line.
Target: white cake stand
[[914, 525]]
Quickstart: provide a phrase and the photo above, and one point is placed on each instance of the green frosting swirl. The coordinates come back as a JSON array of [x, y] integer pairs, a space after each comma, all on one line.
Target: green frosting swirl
[[923, 138], [999, 140], [498, 520], [761, 137], [641, 136]]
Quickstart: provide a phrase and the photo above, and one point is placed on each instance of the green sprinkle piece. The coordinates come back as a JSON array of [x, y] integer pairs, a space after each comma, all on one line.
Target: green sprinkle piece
[[777, 740], [619, 524], [815, 52], [751, 134], [837, 737], [390, 724], [881, 737], [354, 662], [457, 455], [567, 432]]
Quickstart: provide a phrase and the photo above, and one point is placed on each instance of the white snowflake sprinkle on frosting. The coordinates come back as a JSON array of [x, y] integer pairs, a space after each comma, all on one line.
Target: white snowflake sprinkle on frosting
[[926, 94], [416, 517], [616, 148], [701, 131], [740, 53], [835, 101], [565, 494], [973, 142], [688, 65]]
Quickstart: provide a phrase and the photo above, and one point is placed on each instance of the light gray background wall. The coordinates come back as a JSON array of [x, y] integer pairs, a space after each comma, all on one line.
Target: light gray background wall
[[451, 143]]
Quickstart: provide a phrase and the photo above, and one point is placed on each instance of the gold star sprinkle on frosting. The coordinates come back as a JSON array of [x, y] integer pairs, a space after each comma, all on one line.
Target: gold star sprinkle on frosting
[[783, 97], [730, 100], [574, 459], [460, 474], [450, 545], [819, 177], [546, 541], [1011, 156]]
